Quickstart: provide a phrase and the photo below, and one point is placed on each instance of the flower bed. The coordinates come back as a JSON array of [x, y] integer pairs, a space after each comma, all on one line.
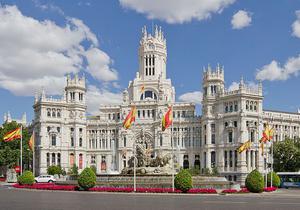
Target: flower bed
[[47, 186], [270, 189], [244, 190], [229, 191], [205, 191]]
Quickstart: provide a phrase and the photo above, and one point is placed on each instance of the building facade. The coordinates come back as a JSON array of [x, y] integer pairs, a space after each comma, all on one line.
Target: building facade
[[66, 135]]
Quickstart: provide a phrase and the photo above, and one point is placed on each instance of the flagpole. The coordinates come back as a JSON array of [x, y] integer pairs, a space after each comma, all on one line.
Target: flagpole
[[272, 162], [21, 165], [33, 154], [173, 184]]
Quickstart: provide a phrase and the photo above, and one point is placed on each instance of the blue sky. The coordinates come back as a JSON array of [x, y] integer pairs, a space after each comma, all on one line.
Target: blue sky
[[265, 38]]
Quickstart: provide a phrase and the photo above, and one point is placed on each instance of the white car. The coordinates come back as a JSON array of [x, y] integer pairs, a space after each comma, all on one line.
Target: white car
[[44, 178]]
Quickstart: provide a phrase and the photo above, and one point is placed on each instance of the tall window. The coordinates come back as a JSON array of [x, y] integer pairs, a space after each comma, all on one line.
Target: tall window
[[225, 159], [213, 138], [161, 140], [252, 135], [213, 159], [53, 158], [58, 159], [230, 159], [48, 112], [80, 142], [48, 159], [230, 136], [93, 159], [80, 161], [72, 159], [53, 140], [72, 142], [125, 142]]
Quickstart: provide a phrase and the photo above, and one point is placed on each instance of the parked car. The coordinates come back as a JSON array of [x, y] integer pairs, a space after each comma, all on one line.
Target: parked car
[[45, 178]]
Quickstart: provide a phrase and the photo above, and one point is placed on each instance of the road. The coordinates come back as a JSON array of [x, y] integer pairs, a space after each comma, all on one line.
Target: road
[[14, 199]]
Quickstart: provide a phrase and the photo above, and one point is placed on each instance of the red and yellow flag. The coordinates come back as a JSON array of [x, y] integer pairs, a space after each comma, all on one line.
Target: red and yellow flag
[[130, 118], [31, 142], [167, 119], [12, 135], [244, 146], [142, 88], [267, 134]]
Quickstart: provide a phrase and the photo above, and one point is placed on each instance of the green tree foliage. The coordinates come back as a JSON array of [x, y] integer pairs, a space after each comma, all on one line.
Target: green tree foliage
[[287, 155], [94, 169], [26, 178], [87, 179], [255, 182], [52, 170], [275, 179], [183, 180], [73, 171], [10, 151]]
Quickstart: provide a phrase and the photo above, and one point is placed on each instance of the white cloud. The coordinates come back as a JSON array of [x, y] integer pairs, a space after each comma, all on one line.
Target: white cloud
[[37, 53], [178, 11], [195, 97], [296, 25], [274, 71], [241, 19], [96, 97], [235, 85]]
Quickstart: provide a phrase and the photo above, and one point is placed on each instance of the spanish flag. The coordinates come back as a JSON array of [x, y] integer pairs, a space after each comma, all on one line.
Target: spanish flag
[[167, 119], [244, 146], [31, 142], [12, 135], [130, 118], [267, 134]]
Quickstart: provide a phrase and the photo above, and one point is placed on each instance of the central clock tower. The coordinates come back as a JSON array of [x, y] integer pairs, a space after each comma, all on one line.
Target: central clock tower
[[152, 55]]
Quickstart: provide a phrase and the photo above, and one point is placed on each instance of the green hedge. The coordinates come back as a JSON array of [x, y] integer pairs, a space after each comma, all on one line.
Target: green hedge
[[183, 180], [87, 179], [275, 179], [52, 170], [255, 182], [26, 178]]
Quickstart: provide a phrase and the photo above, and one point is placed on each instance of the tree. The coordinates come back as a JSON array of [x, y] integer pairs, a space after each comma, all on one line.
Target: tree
[[287, 155], [10, 151], [183, 180], [26, 178], [255, 182], [52, 170], [87, 179], [275, 179]]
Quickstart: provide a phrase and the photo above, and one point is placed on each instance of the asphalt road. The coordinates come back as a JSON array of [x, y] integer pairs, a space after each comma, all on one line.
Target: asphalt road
[[11, 199]]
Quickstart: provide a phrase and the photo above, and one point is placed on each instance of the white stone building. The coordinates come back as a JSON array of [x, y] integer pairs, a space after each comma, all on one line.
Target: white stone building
[[65, 135]]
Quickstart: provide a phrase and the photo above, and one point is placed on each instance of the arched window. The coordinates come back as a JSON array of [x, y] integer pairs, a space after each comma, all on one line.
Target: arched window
[[80, 161], [58, 113], [148, 94], [53, 113], [72, 160], [48, 112]]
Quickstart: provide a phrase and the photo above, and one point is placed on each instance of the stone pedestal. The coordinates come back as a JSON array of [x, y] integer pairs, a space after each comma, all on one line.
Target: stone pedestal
[[11, 176]]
